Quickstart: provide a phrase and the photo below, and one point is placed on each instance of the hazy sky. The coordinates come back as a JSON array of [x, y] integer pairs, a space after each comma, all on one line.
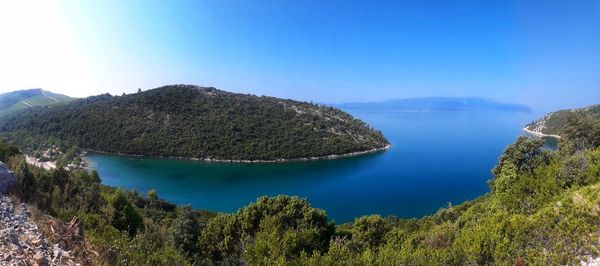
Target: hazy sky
[[542, 53]]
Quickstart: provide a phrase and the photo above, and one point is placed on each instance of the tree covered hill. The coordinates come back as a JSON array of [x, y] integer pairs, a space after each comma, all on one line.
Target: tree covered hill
[[12, 102], [196, 122], [554, 123]]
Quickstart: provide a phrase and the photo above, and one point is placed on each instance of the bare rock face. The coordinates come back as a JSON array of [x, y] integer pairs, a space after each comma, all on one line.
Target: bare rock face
[[21, 242], [7, 179]]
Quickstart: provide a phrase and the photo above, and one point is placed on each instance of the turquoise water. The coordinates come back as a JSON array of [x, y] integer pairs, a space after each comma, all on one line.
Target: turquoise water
[[436, 158]]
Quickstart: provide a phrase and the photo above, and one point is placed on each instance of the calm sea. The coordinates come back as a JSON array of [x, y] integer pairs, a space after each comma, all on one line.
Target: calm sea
[[437, 158]]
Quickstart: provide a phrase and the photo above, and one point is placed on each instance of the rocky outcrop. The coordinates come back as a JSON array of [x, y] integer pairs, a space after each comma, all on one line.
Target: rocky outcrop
[[21, 242], [590, 262], [7, 179]]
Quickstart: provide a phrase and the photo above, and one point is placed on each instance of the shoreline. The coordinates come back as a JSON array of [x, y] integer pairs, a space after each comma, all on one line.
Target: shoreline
[[538, 134], [209, 160], [48, 165]]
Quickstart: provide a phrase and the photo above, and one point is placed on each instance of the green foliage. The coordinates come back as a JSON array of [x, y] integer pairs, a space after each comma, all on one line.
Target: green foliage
[[26, 183], [220, 241], [193, 122], [581, 131], [299, 227], [125, 216], [523, 177], [521, 157], [7, 150], [184, 230], [369, 231]]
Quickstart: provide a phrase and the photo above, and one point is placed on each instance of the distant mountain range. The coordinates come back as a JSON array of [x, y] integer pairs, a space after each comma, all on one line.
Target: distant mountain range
[[11, 102], [436, 104]]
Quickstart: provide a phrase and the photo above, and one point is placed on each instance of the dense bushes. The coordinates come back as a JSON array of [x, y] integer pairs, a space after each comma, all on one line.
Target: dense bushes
[[7, 150], [193, 122], [281, 229], [184, 230], [124, 216]]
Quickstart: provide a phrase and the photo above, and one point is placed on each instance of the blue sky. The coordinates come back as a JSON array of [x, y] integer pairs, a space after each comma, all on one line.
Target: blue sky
[[542, 53]]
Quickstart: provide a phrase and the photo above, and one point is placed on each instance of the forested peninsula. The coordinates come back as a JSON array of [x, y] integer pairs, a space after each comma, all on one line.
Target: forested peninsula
[[186, 121], [554, 123]]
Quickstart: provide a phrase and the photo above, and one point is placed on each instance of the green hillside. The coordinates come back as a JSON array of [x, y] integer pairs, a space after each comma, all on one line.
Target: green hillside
[[553, 123], [14, 101], [196, 122]]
